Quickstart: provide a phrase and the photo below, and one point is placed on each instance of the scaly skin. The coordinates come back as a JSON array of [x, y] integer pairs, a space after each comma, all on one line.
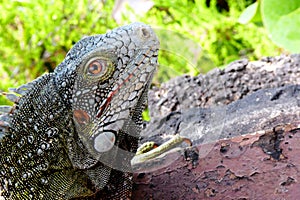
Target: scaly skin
[[73, 132]]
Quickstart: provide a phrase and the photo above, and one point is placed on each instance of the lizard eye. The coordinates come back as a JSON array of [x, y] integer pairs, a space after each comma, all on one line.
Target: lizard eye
[[99, 68], [96, 67]]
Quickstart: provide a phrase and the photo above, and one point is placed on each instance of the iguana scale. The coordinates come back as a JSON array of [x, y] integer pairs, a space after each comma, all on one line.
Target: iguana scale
[[72, 133]]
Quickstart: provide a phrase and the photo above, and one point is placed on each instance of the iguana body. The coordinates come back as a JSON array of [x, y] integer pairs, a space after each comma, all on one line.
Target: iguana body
[[73, 132]]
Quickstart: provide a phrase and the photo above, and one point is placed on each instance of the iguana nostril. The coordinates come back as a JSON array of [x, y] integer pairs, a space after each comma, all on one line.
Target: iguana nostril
[[145, 32]]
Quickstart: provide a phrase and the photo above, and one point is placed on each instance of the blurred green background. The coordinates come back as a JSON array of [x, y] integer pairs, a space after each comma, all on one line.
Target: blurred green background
[[195, 35]]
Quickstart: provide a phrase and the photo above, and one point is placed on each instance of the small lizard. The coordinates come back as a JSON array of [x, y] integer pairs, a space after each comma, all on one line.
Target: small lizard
[[72, 133]]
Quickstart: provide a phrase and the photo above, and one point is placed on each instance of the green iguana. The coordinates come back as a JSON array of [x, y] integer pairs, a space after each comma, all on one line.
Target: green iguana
[[72, 133]]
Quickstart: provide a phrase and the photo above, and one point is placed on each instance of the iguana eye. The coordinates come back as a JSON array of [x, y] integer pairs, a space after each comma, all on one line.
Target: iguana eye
[[99, 68], [96, 67]]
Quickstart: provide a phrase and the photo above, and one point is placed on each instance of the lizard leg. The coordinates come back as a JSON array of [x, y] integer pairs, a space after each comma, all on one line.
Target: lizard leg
[[150, 150]]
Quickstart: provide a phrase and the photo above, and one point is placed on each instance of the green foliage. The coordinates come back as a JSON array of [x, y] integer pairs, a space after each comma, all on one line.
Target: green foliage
[[39, 33], [218, 33], [280, 18], [178, 55], [146, 115], [251, 13]]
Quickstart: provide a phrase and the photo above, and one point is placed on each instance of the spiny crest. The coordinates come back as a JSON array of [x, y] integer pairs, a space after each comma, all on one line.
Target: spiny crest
[[6, 111], [13, 96]]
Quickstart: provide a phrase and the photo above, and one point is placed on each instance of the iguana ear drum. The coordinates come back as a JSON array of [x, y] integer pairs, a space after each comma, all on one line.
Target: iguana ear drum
[[104, 141]]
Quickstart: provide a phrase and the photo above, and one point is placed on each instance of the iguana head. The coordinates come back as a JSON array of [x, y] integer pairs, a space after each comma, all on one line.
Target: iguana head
[[104, 79]]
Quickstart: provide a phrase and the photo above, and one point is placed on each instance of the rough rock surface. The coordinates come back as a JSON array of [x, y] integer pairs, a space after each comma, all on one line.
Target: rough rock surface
[[222, 86], [243, 120], [258, 111], [234, 168]]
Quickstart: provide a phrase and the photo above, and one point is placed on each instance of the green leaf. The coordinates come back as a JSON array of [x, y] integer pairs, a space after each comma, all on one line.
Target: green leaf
[[249, 13], [282, 20]]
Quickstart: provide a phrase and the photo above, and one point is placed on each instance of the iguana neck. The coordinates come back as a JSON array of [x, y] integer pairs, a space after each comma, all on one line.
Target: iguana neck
[[35, 145], [41, 108]]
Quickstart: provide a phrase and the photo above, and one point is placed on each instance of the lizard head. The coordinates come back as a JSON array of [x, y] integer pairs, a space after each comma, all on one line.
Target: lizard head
[[104, 79]]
